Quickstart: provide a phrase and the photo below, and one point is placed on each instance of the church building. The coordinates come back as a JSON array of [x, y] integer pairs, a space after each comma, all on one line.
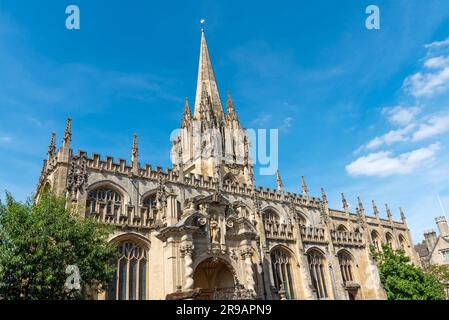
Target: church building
[[203, 229]]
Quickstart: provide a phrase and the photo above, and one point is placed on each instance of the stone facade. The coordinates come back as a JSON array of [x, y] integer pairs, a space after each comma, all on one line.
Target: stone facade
[[203, 230], [435, 248]]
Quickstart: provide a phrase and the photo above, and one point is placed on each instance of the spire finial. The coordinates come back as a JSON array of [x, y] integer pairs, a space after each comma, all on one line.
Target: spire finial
[[389, 214], [135, 148], [229, 103], [344, 202], [305, 190], [323, 195], [375, 210], [360, 206], [135, 154], [279, 181], [403, 218], [202, 21], [52, 146], [68, 133]]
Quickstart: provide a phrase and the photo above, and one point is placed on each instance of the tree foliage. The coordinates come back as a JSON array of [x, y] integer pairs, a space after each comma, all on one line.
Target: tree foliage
[[440, 272], [40, 239], [404, 281]]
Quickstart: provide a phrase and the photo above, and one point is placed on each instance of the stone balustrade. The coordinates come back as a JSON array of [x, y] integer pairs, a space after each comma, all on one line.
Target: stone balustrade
[[313, 234], [346, 237]]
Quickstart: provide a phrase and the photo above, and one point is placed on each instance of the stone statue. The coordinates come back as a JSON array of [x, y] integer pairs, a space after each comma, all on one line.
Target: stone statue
[[214, 231]]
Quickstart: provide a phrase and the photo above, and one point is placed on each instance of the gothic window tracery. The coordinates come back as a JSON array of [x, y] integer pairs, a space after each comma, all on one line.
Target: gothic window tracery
[[346, 266], [149, 206], [317, 273], [282, 272], [376, 240], [403, 242], [271, 223], [104, 201], [389, 239], [130, 277]]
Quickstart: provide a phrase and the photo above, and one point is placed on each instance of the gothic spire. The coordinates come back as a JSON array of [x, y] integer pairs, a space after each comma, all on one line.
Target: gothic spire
[[52, 146], [305, 190], [187, 115], [67, 134], [279, 183], [206, 80], [231, 115]]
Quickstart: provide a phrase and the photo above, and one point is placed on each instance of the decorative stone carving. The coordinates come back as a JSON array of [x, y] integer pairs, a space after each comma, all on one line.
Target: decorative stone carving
[[77, 175], [215, 230], [187, 252]]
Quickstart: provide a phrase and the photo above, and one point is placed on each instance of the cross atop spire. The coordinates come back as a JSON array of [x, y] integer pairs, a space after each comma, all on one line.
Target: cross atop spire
[[206, 81]]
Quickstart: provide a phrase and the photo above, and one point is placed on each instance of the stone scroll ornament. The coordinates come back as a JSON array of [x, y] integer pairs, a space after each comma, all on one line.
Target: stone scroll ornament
[[77, 176]]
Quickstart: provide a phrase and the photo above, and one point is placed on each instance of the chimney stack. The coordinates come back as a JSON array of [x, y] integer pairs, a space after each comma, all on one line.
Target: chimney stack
[[442, 226], [431, 239]]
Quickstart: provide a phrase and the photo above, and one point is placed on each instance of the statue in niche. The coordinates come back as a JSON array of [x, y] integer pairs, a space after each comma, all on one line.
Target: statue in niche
[[215, 231]]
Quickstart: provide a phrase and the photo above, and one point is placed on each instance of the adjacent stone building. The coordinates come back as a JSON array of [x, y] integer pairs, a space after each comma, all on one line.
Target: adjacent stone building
[[204, 230], [435, 248]]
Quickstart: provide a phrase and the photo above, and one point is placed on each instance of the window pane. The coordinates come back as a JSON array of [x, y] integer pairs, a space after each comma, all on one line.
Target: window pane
[[112, 288], [122, 279], [132, 279], [143, 280]]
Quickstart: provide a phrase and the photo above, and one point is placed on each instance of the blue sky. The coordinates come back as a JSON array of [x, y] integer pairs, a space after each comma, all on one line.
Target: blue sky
[[365, 112]]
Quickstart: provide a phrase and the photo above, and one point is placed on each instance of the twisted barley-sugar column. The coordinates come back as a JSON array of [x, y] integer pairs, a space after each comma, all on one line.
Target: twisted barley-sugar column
[[188, 264], [249, 270]]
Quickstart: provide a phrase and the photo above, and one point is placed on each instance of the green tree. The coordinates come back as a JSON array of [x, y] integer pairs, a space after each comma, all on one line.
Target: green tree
[[402, 280], [40, 240], [441, 273]]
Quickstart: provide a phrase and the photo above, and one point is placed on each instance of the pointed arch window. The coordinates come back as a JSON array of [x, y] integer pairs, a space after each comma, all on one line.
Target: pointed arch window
[[271, 223], [281, 264], [129, 281], [376, 240], [346, 266], [104, 202], [149, 206], [389, 239], [317, 273], [403, 243]]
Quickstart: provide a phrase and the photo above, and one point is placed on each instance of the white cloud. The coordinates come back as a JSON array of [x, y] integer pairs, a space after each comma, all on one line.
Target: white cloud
[[437, 62], [435, 125], [438, 44], [384, 163], [427, 84], [400, 115], [393, 136]]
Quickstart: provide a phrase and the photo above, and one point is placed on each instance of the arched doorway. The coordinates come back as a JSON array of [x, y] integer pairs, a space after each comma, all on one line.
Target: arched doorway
[[214, 278]]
